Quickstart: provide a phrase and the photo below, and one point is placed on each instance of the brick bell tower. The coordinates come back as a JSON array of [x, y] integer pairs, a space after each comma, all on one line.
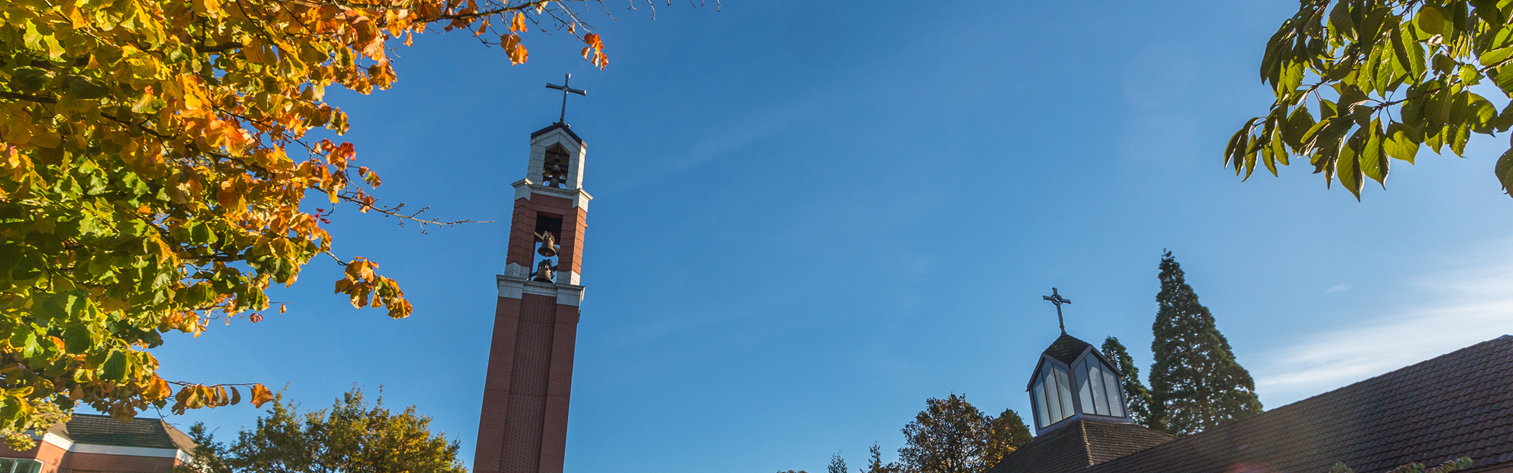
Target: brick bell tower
[[523, 424]]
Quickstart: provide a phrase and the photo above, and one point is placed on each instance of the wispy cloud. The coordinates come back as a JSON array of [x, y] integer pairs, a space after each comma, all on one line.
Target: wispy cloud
[[1459, 308], [1339, 288]]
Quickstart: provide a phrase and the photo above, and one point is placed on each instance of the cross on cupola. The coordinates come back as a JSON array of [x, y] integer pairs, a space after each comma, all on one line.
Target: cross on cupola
[[565, 90], [1073, 381], [1058, 300]]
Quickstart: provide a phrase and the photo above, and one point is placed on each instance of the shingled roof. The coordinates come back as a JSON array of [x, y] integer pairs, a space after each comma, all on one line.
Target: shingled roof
[[92, 429], [1459, 404], [1066, 348], [1077, 445]]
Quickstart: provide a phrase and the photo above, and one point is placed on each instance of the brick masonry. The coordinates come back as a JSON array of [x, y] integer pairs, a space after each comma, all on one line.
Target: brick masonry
[[523, 423]]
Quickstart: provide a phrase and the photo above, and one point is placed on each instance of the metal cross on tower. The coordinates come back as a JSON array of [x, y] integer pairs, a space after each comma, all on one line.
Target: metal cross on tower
[[565, 90], [1058, 300]]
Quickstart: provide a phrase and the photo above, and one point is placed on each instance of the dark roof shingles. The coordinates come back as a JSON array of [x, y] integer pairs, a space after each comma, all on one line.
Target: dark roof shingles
[[1066, 349], [1078, 444], [141, 432], [1459, 404]]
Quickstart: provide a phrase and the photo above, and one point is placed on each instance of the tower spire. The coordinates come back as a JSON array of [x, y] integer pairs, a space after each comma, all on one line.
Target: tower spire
[[1056, 298]]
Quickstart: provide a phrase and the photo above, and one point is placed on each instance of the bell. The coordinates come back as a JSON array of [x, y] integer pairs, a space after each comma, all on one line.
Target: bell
[[548, 244], [544, 271]]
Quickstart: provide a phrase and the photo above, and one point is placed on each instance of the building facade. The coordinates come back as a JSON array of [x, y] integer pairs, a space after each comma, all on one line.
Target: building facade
[[523, 424], [100, 444]]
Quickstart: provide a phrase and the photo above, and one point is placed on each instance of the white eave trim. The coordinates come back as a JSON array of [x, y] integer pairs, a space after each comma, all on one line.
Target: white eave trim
[[75, 447]]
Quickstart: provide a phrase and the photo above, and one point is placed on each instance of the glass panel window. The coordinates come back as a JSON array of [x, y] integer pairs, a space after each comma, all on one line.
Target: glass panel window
[[1101, 406], [1043, 418], [1064, 385], [1084, 392], [1115, 393], [1052, 398]]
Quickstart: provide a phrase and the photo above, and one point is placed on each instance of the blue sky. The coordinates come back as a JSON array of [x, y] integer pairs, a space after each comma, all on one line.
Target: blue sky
[[809, 217]]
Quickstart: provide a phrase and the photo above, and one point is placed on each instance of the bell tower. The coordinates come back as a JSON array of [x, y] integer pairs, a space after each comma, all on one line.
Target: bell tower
[[523, 424]]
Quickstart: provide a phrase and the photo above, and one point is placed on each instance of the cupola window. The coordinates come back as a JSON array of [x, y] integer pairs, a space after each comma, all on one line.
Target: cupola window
[[1052, 395], [1098, 388]]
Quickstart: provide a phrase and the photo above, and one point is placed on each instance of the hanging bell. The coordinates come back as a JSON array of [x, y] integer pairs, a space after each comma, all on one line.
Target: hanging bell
[[544, 272], [548, 244]]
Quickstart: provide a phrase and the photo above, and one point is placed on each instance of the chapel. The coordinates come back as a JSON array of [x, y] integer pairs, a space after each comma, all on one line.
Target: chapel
[[1456, 405]]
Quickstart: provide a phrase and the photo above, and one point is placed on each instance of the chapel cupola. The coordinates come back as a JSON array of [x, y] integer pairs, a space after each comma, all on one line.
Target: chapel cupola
[[1074, 381]]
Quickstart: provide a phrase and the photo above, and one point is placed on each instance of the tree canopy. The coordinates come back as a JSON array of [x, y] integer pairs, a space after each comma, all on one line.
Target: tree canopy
[[155, 156], [1195, 381], [1359, 83], [350, 436], [952, 436]]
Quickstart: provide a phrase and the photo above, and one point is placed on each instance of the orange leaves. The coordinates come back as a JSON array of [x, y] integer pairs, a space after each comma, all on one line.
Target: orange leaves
[[232, 195], [261, 395], [513, 49], [196, 396], [166, 129], [157, 389], [518, 23], [594, 52], [367, 288]]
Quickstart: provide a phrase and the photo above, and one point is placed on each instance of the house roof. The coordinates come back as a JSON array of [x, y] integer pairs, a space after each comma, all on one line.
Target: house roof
[[1459, 404], [93, 429], [1077, 445], [558, 126]]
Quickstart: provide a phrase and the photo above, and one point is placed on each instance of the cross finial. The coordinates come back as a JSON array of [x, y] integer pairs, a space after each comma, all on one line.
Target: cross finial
[[565, 90], [1056, 298]]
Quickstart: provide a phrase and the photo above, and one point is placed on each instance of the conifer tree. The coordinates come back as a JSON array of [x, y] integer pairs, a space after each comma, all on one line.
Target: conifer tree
[[1137, 397], [1195, 382], [837, 464], [875, 463]]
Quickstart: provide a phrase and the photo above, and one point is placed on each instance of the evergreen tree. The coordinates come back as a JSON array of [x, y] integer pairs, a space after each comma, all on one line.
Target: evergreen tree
[[875, 463], [837, 464], [1006, 433], [949, 436], [1195, 382], [1137, 397]]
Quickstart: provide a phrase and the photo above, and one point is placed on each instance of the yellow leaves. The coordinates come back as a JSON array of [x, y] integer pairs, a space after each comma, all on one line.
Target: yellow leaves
[[13, 164], [594, 52], [144, 103], [518, 23], [513, 49], [210, 8], [75, 19]]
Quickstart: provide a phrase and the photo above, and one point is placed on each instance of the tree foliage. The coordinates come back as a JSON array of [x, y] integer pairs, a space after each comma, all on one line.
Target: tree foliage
[[1361, 82], [1006, 433], [952, 436], [1195, 382], [350, 436], [1137, 396], [875, 462], [154, 156], [837, 464]]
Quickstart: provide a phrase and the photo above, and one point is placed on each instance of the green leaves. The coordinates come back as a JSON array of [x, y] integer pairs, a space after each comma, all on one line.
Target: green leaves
[[1361, 81]]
